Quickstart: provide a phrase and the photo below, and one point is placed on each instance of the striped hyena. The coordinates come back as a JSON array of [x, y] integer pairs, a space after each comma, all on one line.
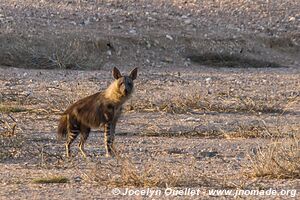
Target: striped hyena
[[100, 109]]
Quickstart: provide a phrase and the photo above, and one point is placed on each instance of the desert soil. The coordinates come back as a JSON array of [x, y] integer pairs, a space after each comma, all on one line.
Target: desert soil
[[185, 113]]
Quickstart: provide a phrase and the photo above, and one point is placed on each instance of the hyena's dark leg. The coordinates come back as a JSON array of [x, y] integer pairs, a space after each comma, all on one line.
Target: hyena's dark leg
[[85, 131], [109, 139], [73, 131]]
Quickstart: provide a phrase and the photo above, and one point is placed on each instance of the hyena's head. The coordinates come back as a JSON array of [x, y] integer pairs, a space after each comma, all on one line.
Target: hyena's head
[[124, 83]]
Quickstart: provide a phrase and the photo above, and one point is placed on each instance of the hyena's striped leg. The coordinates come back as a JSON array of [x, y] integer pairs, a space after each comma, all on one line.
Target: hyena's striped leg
[[71, 137], [85, 131], [72, 134], [109, 139]]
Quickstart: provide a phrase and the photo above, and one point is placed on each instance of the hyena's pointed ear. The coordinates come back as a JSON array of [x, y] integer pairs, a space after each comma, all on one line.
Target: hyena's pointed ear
[[116, 73], [133, 73]]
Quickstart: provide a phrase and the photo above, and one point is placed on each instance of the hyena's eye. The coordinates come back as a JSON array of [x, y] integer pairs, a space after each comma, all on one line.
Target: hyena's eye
[[110, 106]]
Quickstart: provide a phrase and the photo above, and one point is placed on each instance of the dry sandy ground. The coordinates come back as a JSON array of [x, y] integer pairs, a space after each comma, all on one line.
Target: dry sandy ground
[[218, 81], [212, 145]]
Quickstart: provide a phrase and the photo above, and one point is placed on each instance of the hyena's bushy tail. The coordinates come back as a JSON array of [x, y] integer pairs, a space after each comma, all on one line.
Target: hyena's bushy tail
[[62, 127]]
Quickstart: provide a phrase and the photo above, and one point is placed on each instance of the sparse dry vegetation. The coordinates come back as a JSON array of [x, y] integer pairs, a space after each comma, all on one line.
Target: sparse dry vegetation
[[220, 103], [10, 141], [11, 109], [63, 52], [278, 160], [51, 179], [123, 172]]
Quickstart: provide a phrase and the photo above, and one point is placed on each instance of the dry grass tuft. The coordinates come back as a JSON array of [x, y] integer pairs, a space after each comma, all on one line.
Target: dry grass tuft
[[122, 171], [11, 109], [54, 179], [221, 103], [280, 159], [11, 140], [11, 144], [247, 131], [57, 51]]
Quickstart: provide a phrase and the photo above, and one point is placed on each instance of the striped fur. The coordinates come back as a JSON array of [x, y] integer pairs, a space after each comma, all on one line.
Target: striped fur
[[101, 109]]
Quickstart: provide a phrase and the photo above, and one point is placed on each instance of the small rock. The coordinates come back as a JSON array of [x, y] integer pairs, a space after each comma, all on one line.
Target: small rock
[[77, 179], [132, 31], [156, 42], [291, 19], [148, 45], [187, 21], [187, 63], [168, 60], [73, 23], [169, 37], [208, 79], [184, 17], [86, 22], [151, 19]]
